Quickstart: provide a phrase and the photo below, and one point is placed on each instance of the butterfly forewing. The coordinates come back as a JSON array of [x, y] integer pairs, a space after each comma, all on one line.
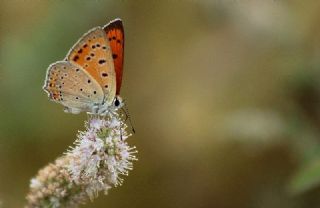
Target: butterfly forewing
[[73, 87], [115, 35], [93, 53]]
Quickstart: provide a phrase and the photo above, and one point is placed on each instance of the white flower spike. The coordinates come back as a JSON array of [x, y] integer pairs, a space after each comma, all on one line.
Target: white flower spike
[[96, 162]]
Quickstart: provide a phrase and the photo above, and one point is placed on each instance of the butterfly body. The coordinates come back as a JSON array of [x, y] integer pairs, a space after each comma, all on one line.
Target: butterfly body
[[89, 78]]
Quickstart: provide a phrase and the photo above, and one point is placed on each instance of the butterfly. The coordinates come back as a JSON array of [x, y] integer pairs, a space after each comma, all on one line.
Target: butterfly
[[89, 78]]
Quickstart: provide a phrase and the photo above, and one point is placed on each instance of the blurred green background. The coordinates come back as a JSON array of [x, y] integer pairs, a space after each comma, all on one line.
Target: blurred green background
[[224, 96]]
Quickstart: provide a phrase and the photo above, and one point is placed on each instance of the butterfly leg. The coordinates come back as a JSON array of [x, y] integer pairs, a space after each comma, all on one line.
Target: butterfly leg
[[72, 110], [94, 110], [121, 132]]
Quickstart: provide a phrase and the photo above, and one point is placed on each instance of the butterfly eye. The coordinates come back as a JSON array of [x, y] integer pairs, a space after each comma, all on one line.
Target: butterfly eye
[[116, 102]]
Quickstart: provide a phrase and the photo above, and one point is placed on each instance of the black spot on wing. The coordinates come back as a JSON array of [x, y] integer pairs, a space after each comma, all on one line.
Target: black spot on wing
[[75, 58]]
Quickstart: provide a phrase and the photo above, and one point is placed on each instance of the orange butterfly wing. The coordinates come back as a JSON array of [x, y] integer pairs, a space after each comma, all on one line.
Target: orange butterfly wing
[[93, 53], [115, 35]]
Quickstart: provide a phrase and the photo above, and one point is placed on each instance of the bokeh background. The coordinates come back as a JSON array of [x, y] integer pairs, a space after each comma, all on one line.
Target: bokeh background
[[224, 97]]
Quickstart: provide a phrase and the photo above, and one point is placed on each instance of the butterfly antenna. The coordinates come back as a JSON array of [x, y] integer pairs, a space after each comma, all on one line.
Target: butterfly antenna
[[126, 112]]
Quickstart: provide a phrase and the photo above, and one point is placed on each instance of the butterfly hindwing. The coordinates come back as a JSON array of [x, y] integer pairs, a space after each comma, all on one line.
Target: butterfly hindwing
[[73, 87], [93, 53], [115, 35]]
